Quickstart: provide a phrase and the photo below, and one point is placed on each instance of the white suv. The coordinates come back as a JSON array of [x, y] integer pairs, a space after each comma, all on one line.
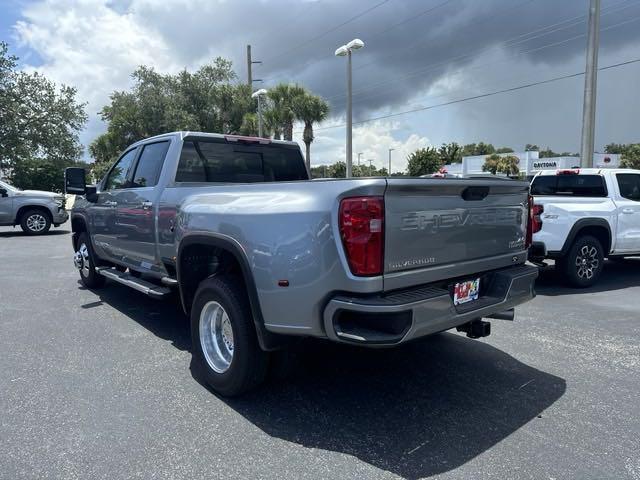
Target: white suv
[[582, 216]]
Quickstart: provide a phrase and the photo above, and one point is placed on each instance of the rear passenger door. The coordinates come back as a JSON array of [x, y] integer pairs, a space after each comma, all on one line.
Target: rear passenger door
[[628, 210], [136, 210]]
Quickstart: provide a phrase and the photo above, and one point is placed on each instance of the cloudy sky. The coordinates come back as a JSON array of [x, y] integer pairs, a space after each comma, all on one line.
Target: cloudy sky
[[420, 56]]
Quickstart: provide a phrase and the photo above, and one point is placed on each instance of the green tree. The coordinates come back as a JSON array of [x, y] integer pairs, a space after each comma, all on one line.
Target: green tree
[[423, 161], [507, 164], [529, 147], [205, 100], [504, 150], [39, 122], [615, 148], [37, 174], [481, 148], [309, 109], [450, 153], [249, 125], [631, 156], [283, 100], [337, 170]]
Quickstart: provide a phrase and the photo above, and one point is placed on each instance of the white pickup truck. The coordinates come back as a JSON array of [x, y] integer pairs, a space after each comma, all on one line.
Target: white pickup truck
[[581, 216]]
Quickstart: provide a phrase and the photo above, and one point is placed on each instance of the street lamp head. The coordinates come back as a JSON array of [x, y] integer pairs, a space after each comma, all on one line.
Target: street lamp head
[[342, 51], [257, 93], [355, 44]]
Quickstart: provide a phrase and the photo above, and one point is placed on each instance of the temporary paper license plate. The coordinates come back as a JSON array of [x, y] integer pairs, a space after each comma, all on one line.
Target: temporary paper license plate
[[464, 292]]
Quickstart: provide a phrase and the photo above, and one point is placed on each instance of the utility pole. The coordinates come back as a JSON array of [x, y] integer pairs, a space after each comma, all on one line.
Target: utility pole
[[370, 168], [250, 64], [590, 86], [390, 150]]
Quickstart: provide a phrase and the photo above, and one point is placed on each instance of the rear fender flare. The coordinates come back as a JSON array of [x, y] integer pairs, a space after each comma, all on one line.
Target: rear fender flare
[[581, 224], [268, 341]]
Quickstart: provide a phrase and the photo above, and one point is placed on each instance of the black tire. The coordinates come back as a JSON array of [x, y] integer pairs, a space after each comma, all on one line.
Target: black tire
[[35, 222], [583, 263], [248, 364], [88, 276]]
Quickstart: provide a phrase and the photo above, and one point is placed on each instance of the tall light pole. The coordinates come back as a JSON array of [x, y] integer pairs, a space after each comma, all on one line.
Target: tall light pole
[[345, 50], [370, 167], [259, 94], [590, 86], [359, 155], [390, 150]]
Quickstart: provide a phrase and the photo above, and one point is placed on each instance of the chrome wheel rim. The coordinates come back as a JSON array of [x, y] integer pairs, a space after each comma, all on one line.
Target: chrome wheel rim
[[81, 260], [36, 222], [587, 262], [216, 336]]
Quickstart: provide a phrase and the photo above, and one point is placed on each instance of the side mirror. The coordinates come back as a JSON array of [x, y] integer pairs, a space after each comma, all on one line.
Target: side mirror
[[75, 181], [3, 192]]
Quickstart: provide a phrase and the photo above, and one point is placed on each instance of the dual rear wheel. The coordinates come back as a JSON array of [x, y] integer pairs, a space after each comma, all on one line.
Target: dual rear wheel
[[223, 336]]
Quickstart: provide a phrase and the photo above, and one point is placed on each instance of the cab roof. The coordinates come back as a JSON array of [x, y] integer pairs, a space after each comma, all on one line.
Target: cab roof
[[182, 134]]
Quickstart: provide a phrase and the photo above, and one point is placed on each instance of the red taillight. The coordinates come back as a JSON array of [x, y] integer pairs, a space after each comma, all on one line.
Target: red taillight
[[362, 232], [568, 171], [534, 224]]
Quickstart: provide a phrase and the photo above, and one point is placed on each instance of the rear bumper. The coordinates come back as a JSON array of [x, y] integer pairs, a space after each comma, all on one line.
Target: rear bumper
[[409, 314]]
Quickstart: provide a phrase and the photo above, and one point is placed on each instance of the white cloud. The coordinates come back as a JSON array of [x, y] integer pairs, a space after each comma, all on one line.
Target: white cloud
[[89, 45], [373, 140]]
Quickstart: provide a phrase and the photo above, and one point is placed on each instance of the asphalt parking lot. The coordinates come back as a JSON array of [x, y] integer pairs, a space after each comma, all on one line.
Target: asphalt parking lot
[[99, 385]]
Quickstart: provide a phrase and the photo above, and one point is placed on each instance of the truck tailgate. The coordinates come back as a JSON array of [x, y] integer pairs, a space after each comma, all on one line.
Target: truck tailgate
[[439, 229]]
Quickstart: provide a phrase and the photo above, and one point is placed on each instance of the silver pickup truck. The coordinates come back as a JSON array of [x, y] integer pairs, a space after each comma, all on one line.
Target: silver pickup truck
[[261, 255], [34, 210]]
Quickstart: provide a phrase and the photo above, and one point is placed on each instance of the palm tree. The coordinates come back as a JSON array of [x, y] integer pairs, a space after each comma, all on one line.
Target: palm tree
[[310, 109], [283, 96], [272, 122]]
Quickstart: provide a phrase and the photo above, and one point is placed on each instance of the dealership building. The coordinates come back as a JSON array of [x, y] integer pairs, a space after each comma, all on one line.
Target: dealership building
[[529, 163]]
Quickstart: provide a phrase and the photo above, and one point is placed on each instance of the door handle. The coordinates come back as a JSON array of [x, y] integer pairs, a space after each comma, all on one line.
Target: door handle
[[147, 205], [109, 203], [628, 210]]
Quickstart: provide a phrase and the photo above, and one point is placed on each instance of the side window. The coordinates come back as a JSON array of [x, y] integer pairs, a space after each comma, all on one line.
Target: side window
[[118, 175], [191, 165], [629, 184], [544, 185], [150, 164]]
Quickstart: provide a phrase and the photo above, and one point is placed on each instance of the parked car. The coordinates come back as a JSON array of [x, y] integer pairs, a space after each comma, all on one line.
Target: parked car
[[261, 255], [34, 210], [582, 216]]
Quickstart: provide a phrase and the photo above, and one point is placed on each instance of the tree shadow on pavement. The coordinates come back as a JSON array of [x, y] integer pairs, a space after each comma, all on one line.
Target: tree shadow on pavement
[[163, 318], [616, 275], [418, 410]]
